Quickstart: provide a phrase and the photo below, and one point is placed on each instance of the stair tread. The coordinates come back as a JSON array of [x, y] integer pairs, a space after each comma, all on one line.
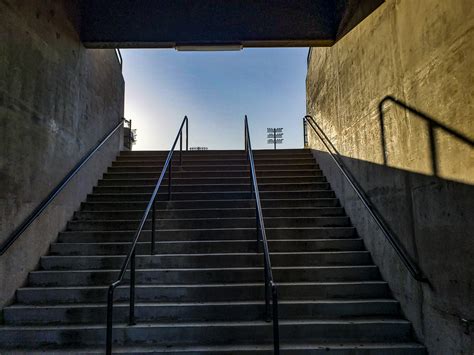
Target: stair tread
[[210, 254], [334, 267], [206, 218], [236, 348], [223, 209], [200, 192], [232, 200], [230, 302], [234, 184], [358, 320], [217, 241], [245, 284]]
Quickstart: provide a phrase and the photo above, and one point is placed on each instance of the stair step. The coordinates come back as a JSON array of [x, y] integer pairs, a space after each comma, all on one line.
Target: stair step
[[206, 246], [218, 152], [191, 173], [322, 348], [200, 223], [55, 278], [210, 213], [207, 161], [225, 155], [208, 292], [207, 234], [179, 168], [212, 180], [307, 186], [206, 204], [207, 260], [250, 332], [237, 195], [206, 311]]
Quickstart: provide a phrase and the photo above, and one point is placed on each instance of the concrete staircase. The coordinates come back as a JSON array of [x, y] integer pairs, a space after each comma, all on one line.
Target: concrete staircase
[[203, 292]]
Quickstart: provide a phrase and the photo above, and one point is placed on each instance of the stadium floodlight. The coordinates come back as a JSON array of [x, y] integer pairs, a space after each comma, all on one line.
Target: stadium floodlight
[[275, 136]]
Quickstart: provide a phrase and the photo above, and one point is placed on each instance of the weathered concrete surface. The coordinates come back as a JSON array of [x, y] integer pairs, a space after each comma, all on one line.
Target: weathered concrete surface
[[421, 52], [57, 99]]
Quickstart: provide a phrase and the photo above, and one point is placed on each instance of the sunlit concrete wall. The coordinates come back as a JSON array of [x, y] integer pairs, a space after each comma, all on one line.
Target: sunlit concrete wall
[[421, 52], [57, 100]]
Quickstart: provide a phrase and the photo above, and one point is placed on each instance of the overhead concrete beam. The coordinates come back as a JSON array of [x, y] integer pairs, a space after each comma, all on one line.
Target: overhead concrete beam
[[257, 23]]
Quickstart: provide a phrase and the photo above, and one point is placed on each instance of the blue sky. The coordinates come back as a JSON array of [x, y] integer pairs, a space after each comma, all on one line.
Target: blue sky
[[215, 90]]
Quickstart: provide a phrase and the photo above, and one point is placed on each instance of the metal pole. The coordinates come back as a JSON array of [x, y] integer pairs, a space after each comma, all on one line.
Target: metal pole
[[180, 148], [246, 131], [274, 139], [169, 179], [186, 132], [267, 294], [251, 179], [257, 221], [110, 313], [130, 136], [276, 329], [131, 320], [245, 139], [305, 134], [153, 228]]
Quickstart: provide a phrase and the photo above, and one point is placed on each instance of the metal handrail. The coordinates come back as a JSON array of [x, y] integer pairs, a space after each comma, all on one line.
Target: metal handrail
[[411, 266], [119, 57], [52, 195], [131, 256], [270, 285]]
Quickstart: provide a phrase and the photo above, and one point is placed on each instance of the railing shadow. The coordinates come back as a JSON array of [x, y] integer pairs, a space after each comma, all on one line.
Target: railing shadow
[[433, 126], [381, 222]]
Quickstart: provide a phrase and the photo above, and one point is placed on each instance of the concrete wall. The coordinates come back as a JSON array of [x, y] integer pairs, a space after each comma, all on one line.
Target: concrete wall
[[57, 100], [421, 52]]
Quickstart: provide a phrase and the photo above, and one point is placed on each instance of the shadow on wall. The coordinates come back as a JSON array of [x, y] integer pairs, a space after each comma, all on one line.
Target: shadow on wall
[[431, 219], [427, 209], [432, 126], [405, 182]]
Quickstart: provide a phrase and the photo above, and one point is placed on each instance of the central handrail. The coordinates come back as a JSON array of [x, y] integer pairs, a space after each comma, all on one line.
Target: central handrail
[[411, 266], [270, 285], [131, 256]]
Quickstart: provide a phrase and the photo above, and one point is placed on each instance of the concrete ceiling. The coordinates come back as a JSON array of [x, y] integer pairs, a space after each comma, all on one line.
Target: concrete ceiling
[[250, 23]]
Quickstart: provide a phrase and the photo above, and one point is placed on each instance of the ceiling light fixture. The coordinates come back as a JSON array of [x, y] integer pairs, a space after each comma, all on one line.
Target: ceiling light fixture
[[209, 48]]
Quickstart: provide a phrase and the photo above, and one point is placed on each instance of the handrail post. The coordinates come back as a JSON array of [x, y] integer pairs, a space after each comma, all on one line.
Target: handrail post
[[267, 294], [153, 228], [131, 320], [305, 133], [130, 135], [276, 329], [251, 183], [169, 179], [257, 222], [181, 149], [110, 314], [187, 125]]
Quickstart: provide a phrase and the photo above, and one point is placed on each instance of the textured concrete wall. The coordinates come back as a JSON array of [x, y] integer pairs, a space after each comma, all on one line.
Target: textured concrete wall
[[57, 100], [421, 52]]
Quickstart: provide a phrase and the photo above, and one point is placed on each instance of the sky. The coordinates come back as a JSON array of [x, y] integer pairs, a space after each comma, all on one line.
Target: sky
[[215, 90]]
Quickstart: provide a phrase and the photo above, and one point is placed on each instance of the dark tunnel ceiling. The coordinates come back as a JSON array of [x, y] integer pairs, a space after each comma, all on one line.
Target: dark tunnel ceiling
[[251, 23]]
